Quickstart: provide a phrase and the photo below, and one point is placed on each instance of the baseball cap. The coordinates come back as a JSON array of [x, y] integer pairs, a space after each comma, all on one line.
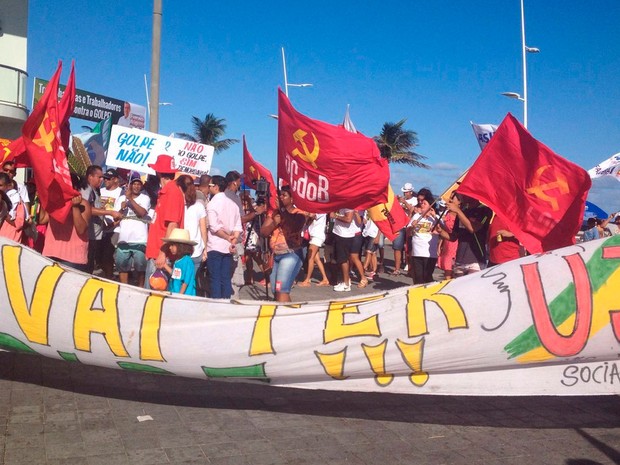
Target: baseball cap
[[164, 164], [110, 173]]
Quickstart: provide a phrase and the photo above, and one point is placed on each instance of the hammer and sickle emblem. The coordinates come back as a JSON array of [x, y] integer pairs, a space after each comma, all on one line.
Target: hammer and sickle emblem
[[539, 190], [307, 155]]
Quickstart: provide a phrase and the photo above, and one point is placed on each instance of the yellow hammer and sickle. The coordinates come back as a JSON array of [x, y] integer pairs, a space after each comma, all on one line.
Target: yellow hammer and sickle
[[45, 139], [308, 156], [252, 169], [539, 190]]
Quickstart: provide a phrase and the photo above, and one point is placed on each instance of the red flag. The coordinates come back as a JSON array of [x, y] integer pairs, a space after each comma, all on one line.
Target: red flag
[[389, 217], [41, 136], [328, 167], [254, 171], [539, 194], [15, 151], [66, 105]]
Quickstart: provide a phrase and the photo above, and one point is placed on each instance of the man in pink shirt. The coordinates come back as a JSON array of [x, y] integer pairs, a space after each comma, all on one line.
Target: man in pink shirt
[[224, 233], [169, 214]]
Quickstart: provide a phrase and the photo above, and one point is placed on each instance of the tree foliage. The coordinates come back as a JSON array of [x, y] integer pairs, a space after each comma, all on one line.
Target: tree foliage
[[397, 145], [210, 131]]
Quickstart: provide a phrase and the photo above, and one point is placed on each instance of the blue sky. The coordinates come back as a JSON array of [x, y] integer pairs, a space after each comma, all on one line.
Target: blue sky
[[438, 64]]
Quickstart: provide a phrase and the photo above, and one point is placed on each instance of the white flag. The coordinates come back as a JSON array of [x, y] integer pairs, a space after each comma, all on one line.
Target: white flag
[[483, 132], [610, 167], [347, 123]]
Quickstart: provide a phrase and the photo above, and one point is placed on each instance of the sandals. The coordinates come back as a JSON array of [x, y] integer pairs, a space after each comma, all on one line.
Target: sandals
[[363, 283], [395, 273], [304, 284], [324, 283]]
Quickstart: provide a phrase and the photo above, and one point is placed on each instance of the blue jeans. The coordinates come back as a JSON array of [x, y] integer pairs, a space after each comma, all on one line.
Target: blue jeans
[[399, 241], [285, 269], [220, 270]]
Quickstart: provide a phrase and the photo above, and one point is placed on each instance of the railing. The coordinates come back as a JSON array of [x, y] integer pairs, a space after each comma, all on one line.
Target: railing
[[13, 86]]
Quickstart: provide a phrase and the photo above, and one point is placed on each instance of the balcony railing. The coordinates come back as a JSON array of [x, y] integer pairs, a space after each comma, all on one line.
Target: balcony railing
[[13, 86]]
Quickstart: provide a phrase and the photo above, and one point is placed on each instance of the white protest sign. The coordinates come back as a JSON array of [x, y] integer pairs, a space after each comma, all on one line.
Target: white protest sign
[[134, 149]]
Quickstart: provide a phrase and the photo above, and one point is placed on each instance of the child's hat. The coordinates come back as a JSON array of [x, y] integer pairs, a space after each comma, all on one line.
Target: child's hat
[[180, 236]]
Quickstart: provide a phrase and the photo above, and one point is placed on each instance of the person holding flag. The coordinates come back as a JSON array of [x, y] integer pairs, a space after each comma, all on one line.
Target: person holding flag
[[470, 229], [284, 227]]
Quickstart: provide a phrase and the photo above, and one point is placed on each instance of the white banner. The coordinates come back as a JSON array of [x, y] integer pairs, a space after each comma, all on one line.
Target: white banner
[[135, 149], [483, 133], [542, 325], [610, 167]]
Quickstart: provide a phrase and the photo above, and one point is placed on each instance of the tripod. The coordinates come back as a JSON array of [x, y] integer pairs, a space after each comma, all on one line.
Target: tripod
[[263, 244]]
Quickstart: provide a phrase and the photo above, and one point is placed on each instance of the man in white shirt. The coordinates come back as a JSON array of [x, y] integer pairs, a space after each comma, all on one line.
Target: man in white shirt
[[133, 231], [109, 193], [9, 168]]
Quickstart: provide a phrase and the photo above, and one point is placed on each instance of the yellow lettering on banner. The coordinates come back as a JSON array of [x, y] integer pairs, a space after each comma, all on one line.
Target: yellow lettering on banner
[[412, 355], [376, 358], [336, 328], [103, 320], [333, 364], [261, 337], [33, 319], [416, 308], [149, 330]]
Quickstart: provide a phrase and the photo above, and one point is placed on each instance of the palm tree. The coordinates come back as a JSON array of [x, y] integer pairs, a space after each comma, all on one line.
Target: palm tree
[[396, 145], [210, 131]]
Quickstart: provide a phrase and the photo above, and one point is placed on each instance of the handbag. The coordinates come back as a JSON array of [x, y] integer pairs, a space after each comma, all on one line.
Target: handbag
[[203, 281], [278, 243]]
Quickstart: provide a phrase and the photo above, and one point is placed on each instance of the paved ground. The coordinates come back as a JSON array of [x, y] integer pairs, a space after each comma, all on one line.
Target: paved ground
[[54, 412]]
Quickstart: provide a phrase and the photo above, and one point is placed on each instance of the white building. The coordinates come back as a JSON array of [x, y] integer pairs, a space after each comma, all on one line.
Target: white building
[[13, 66]]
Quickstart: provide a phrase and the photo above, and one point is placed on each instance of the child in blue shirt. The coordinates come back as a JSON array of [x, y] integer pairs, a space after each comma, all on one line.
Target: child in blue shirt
[[182, 272]]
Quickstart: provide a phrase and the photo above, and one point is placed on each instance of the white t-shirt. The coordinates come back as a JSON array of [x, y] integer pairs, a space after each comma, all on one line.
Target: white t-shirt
[[108, 202], [317, 227], [343, 229], [15, 198], [370, 228], [193, 215], [424, 242], [132, 229]]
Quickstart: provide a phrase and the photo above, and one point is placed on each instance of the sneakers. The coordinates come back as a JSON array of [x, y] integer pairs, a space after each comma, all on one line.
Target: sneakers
[[342, 287]]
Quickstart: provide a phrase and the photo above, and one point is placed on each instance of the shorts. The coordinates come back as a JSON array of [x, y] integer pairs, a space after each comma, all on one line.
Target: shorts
[[369, 245], [461, 269], [318, 240], [342, 248], [399, 241], [284, 272], [358, 242], [130, 255]]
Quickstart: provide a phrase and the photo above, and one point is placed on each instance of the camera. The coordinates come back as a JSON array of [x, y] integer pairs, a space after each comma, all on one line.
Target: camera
[[262, 191]]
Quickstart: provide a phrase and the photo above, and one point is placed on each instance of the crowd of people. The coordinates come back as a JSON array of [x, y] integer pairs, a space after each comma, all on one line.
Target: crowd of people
[[172, 231]]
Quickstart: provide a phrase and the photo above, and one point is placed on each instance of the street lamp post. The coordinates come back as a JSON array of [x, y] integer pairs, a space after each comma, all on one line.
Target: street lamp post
[[148, 102], [155, 58], [286, 83], [524, 51]]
